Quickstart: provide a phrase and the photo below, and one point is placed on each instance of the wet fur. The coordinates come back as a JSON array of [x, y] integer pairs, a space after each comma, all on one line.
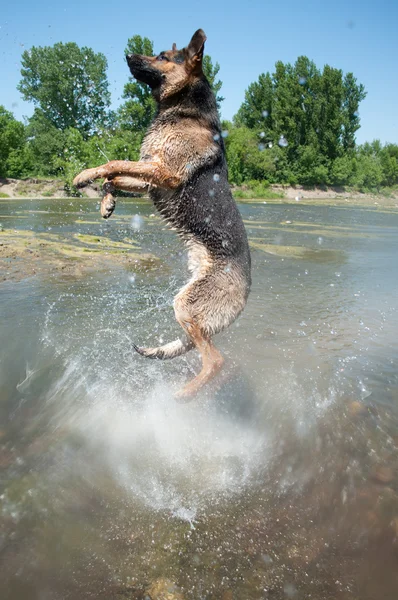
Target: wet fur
[[183, 166]]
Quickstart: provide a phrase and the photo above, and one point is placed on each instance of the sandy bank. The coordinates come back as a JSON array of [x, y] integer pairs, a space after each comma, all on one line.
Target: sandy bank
[[53, 188]]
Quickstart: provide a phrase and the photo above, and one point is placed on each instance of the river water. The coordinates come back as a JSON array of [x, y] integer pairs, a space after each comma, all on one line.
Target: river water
[[279, 481]]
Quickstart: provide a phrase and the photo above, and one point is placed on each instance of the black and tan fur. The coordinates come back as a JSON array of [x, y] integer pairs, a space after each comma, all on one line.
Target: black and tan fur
[[183, 166]]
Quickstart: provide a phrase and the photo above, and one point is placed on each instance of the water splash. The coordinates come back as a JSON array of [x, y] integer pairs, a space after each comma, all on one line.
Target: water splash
[[283, 143]]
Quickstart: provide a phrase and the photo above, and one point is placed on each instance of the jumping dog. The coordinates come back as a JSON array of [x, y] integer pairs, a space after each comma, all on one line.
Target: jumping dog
[[183, 168]]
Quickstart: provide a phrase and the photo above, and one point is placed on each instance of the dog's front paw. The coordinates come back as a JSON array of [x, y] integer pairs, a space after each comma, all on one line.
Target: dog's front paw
[[108, 204], [85, 177]]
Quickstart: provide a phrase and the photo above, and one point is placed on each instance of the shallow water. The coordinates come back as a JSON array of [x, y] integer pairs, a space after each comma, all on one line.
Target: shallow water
[[279, 481]]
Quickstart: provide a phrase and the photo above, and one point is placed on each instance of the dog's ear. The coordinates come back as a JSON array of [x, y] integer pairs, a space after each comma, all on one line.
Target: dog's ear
[[194, 50]]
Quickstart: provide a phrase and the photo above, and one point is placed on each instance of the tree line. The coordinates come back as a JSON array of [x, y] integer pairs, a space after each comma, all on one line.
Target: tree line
[[296, 125]]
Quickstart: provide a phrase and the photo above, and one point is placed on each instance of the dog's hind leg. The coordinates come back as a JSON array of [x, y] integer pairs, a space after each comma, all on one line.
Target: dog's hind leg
[[212, 360]]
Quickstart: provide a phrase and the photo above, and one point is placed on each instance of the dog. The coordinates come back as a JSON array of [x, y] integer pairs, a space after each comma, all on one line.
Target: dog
[[183, 167]]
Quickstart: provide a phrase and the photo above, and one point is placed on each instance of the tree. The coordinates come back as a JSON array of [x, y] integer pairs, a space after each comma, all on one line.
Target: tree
[[341, 170], [12, 141], [47, 144], [68, 86], [139, 109], [311, 115], [211, 73], [353, 95], [256, 110], [247, 158], [389, 163], [368, 171]]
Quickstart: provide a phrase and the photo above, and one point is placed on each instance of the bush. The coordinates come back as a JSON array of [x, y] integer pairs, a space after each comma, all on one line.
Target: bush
[[256, 189]]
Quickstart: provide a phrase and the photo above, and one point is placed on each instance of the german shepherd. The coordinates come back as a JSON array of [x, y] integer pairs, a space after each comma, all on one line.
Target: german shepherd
[[183, 167]]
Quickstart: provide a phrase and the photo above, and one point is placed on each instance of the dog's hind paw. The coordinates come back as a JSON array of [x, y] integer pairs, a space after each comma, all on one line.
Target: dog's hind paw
[[147, 352], [184, 395]]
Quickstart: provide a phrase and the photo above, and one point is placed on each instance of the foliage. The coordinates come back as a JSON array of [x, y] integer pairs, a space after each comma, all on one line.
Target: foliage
[[245, 155], [296, 125], [12, 141], [139, 109], [211, 72], [312, 115], [256, 189], [67, 84]]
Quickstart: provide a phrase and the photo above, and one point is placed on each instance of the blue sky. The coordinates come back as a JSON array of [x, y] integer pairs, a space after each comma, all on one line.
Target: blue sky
[[246, 38]]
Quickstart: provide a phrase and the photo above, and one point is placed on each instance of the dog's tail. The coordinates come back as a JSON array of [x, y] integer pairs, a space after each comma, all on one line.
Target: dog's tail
[[171, 350]]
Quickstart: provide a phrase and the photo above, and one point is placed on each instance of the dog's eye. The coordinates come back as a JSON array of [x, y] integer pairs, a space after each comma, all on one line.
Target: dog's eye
[[162, 57]]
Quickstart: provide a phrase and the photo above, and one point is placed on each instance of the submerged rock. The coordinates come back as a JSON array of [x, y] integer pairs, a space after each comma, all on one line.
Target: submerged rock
[[383, 474], [164, 589]]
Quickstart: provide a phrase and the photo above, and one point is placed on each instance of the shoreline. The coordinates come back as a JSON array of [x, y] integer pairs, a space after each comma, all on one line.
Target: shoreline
[[48, 189]]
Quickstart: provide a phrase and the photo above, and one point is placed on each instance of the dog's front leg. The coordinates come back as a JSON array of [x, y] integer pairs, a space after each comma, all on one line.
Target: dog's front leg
[[154, 173], [127, 184]]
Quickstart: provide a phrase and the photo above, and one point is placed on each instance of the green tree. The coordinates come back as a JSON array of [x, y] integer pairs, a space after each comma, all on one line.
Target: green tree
[[341, 170], [246, 156], [12, 142], [354, 93], [139, 108], [389, 164], [256, 110], [68, 86], [311, 115], [211, 72], [46, 143], [368, 171]]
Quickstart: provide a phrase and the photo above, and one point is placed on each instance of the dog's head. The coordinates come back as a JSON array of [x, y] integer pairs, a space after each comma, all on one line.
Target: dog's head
[[170, 71]]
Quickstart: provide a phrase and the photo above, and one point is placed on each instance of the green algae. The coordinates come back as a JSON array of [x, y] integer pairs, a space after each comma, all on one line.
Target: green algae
[[24, 253], [300, 252]]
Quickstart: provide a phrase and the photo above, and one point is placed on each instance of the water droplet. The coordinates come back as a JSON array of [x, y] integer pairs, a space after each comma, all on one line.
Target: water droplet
[[302, 80], [289, 590], [270, 145], [216, 177], [320, 240], [227, 267], [265, 113], [262, 134], [136, 223], [224, 133], [211, 193], [261, 147], [224, 243], [132, 278], [283, 142], [216, 137], [267, 559]]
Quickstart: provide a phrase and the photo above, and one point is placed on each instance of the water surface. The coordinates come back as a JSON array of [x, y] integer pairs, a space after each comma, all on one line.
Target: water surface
[[279, 481]]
